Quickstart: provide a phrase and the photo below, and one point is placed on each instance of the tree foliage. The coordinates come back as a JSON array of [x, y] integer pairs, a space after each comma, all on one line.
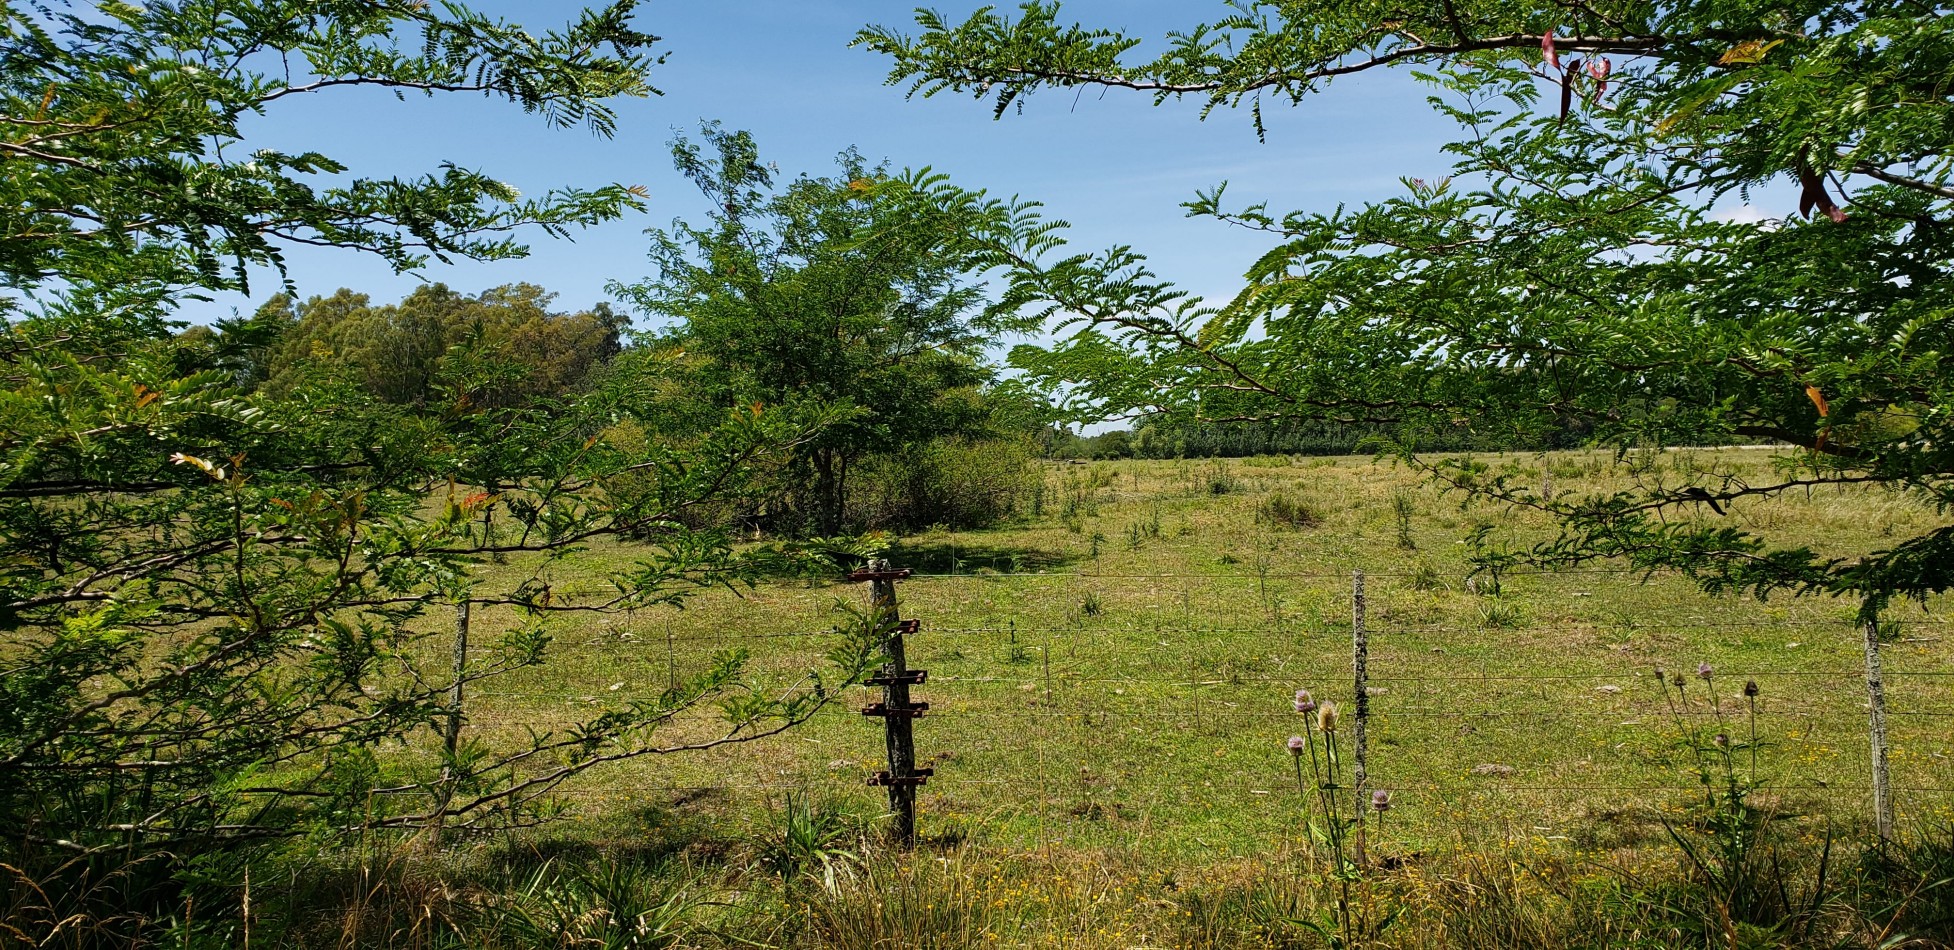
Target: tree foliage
[[400, 352], [221, 562], [855, 291], [129, 180], [1580, 264]]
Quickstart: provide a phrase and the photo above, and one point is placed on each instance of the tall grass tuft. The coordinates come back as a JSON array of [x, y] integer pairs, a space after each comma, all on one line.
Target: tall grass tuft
[[914, 905], [816, 841], [1283, 511], [608, 905]]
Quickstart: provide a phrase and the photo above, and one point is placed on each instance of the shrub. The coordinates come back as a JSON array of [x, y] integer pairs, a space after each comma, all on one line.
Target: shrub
[[957, 483], [1281, 510]]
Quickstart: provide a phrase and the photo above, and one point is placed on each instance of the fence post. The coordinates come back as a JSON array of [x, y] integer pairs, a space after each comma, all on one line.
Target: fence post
[[897, 712], [1360, 663], [451, 735], [1876, 702]]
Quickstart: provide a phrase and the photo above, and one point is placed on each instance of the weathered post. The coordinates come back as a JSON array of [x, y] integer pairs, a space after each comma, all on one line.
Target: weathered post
[[451, 735], [1876, 705], [452, 740], [897, 712], [1360, 700]]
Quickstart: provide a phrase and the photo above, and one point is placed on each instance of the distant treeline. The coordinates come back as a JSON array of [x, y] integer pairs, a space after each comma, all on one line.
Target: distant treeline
[[1176, 438], [959, 455]]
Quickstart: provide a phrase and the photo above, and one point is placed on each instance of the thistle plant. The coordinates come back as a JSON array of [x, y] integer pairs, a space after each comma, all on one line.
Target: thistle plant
[[1731, 848], [1348, 924]]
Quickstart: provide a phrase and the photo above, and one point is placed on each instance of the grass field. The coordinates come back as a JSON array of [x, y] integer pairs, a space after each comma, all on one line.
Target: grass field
[[1110, 685], [1117, 670]]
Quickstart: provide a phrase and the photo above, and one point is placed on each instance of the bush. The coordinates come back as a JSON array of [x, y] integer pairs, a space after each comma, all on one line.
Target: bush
[[1281, 510], [956, 483]]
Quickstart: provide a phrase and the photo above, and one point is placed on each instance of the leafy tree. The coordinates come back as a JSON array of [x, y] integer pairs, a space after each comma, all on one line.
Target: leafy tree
[[1573, 270], [851, 291], [129, 181], [398, 350], [216, 596]]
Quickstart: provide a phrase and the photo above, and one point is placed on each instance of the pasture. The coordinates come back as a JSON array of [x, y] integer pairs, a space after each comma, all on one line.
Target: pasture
[[1112, 675]]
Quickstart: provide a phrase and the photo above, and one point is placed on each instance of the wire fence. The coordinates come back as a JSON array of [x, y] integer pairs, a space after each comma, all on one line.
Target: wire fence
[[1131, 722]]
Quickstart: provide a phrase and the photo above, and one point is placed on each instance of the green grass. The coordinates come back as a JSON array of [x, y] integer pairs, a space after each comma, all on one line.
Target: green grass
[[1110, 693], [1132, 694]]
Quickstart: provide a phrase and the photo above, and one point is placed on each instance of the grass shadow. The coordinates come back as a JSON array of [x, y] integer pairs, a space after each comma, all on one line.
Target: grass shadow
[[949, 558]]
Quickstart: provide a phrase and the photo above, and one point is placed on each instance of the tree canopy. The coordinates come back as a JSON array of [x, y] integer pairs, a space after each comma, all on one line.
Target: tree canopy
[[130, 181], [401, 351], [1580, 264], [221, 561], [855, 291]]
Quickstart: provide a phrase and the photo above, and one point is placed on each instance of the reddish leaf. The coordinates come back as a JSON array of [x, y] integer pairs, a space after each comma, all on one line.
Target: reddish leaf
[[1599, 69], [1812, 195]]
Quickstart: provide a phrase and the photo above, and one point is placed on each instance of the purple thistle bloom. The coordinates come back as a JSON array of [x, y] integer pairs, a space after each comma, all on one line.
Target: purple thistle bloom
[[1703, 670], [1305, 703], [1722, 741], [1381, 800], [1296, 744]]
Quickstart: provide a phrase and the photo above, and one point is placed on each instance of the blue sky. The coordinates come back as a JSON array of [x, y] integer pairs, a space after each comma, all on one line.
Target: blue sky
[[1114, 165]]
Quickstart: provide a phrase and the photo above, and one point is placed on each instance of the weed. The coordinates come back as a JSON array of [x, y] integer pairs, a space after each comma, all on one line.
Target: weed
[[913, 905], [1281, 510], [1352, 919], [1402, 511], [1500, 615], [609, 905], [1742, 879], [817, 841], [1221, 481], [1090, 606]]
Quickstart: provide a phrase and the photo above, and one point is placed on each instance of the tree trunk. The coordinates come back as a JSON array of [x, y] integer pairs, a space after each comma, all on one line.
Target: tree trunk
[[827, 491]]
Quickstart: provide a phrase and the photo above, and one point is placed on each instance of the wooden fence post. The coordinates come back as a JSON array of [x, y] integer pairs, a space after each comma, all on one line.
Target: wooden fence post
[[1360, 664], [451, 735], [1876, 703], [897, 712]]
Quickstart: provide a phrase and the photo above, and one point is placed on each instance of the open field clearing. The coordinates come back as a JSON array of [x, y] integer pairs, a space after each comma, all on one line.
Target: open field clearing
[[1115, 673]]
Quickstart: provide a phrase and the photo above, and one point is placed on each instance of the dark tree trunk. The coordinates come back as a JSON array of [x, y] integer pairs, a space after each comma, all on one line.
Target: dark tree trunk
[[827, 492]]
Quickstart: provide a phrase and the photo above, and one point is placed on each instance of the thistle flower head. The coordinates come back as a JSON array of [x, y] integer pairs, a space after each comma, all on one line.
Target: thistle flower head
[[1296, 745], [1722, 741], [1703, 671], [1750, 688], [1677, 681], [1326, 717], [1305, 703], [1381, 800]]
